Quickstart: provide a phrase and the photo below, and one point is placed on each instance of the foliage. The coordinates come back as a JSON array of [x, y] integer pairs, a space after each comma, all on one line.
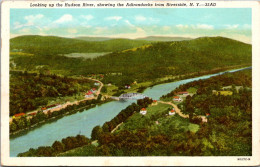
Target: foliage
[[28, 91], [57, 147], [163, 58]]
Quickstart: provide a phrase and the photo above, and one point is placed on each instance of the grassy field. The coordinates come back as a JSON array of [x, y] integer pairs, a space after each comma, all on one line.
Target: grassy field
[[86, 55], [158, 113]]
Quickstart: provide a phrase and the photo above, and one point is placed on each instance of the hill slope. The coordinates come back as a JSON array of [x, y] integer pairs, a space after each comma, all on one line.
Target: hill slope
[[44, 45], [152, 60]]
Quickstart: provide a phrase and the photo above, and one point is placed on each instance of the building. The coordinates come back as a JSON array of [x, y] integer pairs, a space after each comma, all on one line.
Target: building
[[93, 90], [32, 114], [177, 98], [172, 112], [18, 115], [154, 102], [96, 83], [143, 111], [89, 94], [127, 86], [207, 114]]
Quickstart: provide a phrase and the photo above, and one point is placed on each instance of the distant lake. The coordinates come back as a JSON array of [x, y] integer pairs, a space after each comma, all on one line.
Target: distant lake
[[86, 55]]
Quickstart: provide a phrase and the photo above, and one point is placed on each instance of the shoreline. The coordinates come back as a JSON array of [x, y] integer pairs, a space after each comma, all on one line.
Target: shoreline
[[52, 119], [189, 76], [200, 74]]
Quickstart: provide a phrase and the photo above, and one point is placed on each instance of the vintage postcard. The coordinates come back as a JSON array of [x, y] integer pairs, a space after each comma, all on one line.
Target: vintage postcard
[[130, 83]]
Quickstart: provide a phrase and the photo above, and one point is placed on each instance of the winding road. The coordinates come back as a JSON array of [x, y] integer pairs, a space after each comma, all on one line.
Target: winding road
[[178, 111]]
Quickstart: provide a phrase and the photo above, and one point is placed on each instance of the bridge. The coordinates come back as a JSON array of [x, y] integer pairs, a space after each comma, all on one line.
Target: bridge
[[129, 96]]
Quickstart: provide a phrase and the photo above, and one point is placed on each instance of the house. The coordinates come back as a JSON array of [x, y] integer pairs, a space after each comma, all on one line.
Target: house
[[154, 102], [93, 90], [96, 83], [18, 115], [127, 86], [143, 111], [207, 114], [32, 114], [183, 93], [109, 84], [172, 112], [89, 94], [222, 92], [177, 98]]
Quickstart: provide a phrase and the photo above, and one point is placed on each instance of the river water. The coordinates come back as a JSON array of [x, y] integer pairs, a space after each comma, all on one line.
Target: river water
[[83, 122]]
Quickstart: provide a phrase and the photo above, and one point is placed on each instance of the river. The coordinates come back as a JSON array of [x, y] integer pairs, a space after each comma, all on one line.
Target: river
[[83, 122]]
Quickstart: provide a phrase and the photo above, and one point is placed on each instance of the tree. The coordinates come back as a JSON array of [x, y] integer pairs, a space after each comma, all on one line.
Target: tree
[[105, 127], [97, 130], [58, 146]]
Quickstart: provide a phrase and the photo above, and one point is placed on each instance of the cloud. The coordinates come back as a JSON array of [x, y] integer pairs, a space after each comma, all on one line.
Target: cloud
[[116, 18], [99, 30], [33, 18], [25, 30], [140, 18], [247, 26], [180, 26], [234, 26], [65, 18], [31, 21], [203, 26], [129, 24], [197, 26], [87, 17], [72, 31], [166, 28]]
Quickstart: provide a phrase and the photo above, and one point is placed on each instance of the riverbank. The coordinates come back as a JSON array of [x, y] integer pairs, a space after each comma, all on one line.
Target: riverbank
[[191, 75], [55, 118]]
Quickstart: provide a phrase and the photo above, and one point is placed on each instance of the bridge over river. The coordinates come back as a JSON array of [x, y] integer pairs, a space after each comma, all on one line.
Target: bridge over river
[[129, 96]]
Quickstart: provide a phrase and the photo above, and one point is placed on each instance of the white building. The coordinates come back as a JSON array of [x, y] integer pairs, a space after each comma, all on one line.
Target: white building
[[143, 111], [177, 98], [172, 112]]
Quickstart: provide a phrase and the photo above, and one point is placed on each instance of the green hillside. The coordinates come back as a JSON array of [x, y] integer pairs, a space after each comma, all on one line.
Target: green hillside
[[149, 61], [44, 45]]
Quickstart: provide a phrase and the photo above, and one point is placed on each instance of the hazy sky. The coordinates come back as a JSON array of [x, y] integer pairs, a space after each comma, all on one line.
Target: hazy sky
[[133, 23]]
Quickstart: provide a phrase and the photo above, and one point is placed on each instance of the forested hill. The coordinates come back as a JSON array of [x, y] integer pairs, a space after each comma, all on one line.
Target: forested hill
[[180, 57], [149, 61], [44, 45]]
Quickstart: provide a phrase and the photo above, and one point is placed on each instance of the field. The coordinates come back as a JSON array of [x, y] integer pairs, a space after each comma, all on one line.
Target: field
[[86, 55], [158, 113]]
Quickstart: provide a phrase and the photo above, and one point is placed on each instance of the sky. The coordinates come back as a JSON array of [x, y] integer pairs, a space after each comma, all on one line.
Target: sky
[[133, 23]]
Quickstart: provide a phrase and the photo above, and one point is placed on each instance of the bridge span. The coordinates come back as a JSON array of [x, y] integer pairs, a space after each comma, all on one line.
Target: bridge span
[[129, 96]]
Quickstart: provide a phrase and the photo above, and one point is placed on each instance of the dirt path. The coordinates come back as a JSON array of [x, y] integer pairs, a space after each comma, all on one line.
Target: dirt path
[[116, 127], [177, 110]]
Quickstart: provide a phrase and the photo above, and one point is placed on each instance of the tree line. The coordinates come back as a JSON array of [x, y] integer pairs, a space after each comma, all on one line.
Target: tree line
[[28, 91], [26, 123]]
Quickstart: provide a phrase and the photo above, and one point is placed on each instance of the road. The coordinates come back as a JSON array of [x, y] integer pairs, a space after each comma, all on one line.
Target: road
[[178, 111]]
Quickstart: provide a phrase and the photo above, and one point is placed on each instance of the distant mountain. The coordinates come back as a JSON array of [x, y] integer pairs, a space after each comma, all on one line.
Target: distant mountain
[[93, 38], [46, 45], [148, 38], [162, 38]]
